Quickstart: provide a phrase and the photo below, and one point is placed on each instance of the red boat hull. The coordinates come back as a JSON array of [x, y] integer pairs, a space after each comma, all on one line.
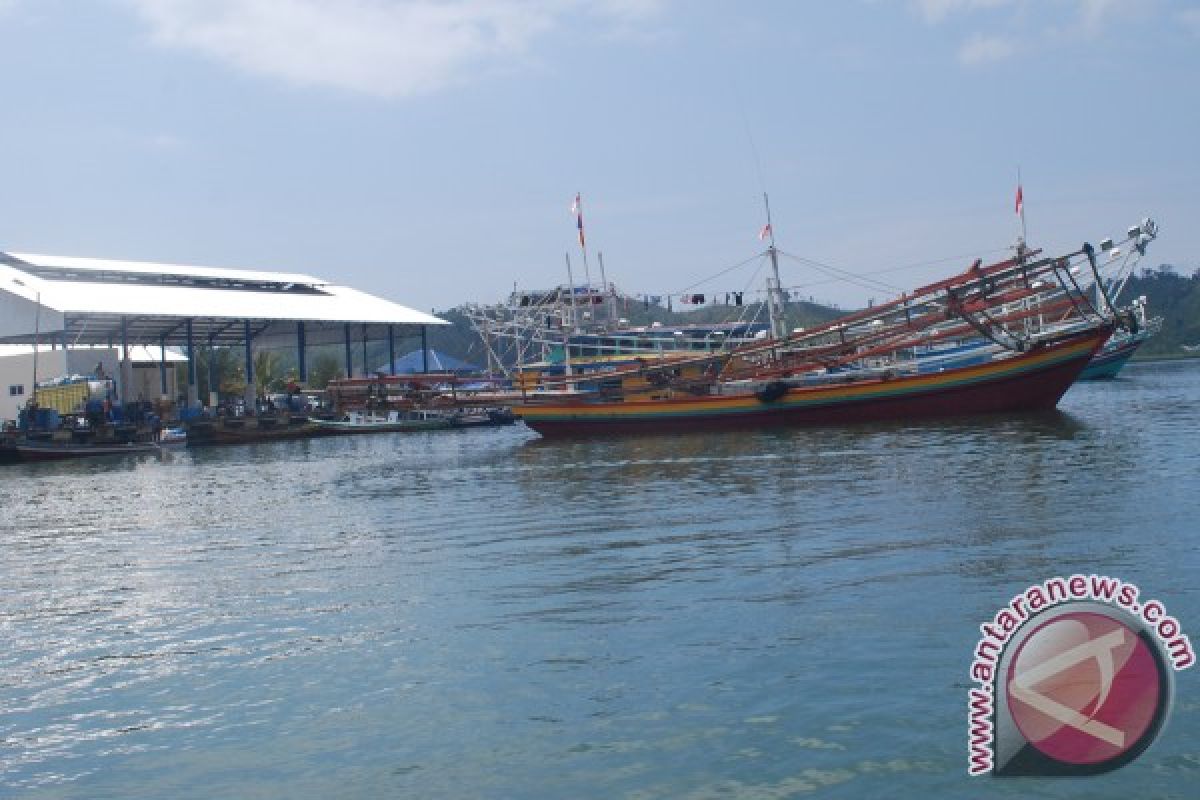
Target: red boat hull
[[1033, 381]]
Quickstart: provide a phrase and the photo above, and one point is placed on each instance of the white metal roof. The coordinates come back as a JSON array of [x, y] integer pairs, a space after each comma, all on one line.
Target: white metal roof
[[138, 354], [69, 264], [95, 300]]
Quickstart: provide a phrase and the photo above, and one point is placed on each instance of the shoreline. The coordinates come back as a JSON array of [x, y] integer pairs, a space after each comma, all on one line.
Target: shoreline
[[1164, 357]]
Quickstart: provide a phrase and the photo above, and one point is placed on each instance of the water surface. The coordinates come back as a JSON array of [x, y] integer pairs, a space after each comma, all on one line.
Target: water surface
[[485, 614]]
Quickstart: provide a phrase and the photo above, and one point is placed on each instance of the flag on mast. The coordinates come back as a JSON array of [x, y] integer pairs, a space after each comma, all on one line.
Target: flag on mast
[[577, 210], [1020, 209], [765, 232]]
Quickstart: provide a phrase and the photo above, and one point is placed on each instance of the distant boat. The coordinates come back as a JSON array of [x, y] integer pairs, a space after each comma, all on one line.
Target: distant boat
[[393, 421], [1122, 344], [246, 430], [53, 451], [1112, 357], [173, 437], [44, 437], [481, 417]]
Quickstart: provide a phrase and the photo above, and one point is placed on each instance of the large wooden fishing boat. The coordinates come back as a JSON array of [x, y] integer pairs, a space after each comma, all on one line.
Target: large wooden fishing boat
[[1027, 325], [1030, 381]]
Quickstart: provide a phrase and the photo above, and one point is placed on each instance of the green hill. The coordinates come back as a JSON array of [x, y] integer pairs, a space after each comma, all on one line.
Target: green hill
[[1176, 299]]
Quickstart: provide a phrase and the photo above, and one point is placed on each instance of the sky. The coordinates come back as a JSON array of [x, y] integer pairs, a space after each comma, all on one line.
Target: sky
[[429, 151]]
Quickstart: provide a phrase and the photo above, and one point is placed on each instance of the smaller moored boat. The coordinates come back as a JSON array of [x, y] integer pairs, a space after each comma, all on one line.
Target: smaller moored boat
[[1123, 343], [482, 417], [393, 421], [173, 437], [29, 450]]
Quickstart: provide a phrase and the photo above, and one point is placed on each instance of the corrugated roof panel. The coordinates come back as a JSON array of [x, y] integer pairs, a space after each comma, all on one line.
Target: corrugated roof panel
[[81, 297], [334, 304], [69, 263]]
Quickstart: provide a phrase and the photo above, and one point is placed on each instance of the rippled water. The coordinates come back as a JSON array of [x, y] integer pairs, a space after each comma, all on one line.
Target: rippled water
[[484, 614]]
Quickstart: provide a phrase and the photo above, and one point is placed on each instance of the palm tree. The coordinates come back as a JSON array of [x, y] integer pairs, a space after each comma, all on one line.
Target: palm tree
[[324, 369], [267, 375]]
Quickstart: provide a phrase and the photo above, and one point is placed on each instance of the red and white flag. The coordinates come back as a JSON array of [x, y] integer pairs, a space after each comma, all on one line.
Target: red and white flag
[[1020, 209], [577, 210], [765, 232]]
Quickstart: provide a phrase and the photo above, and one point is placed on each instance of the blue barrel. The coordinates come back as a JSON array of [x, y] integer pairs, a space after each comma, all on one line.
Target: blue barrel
[[46, 419]]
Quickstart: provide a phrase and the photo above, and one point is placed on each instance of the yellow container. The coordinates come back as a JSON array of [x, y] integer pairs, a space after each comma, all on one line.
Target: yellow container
[[64, 399]]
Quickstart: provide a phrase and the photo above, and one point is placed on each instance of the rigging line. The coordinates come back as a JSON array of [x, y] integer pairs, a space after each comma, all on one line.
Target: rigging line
[[741, 320], [713, 277], [916, 264], [937, 261], [810, 284], [852, 277], [848, 277]]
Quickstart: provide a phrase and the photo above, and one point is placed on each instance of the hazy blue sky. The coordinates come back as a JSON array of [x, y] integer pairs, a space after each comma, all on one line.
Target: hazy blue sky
[[430, 151]]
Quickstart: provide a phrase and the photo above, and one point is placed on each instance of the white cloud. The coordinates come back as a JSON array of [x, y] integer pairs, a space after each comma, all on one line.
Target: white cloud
[[1094, 14], [937, 10], [390, 48], [165, 142], [1021, 25], [1088, 15], [1190, 17], [980, 49]]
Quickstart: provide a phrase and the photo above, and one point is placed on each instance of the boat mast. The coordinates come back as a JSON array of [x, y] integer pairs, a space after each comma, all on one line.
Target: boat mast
[[569, 323], [1029, 324], [487, 339], [775, 311], [578, 209], [37, 324], [610, 297], [1021, 210]]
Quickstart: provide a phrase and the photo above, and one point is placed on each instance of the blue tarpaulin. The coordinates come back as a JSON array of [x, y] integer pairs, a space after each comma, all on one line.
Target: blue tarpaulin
[[411, 364]]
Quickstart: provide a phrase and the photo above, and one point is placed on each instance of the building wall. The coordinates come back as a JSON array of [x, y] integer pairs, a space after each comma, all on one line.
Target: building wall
[[17, 371], [147, 383]]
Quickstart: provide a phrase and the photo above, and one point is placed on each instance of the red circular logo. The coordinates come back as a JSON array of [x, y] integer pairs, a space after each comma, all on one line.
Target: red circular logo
[[1084, 688]]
